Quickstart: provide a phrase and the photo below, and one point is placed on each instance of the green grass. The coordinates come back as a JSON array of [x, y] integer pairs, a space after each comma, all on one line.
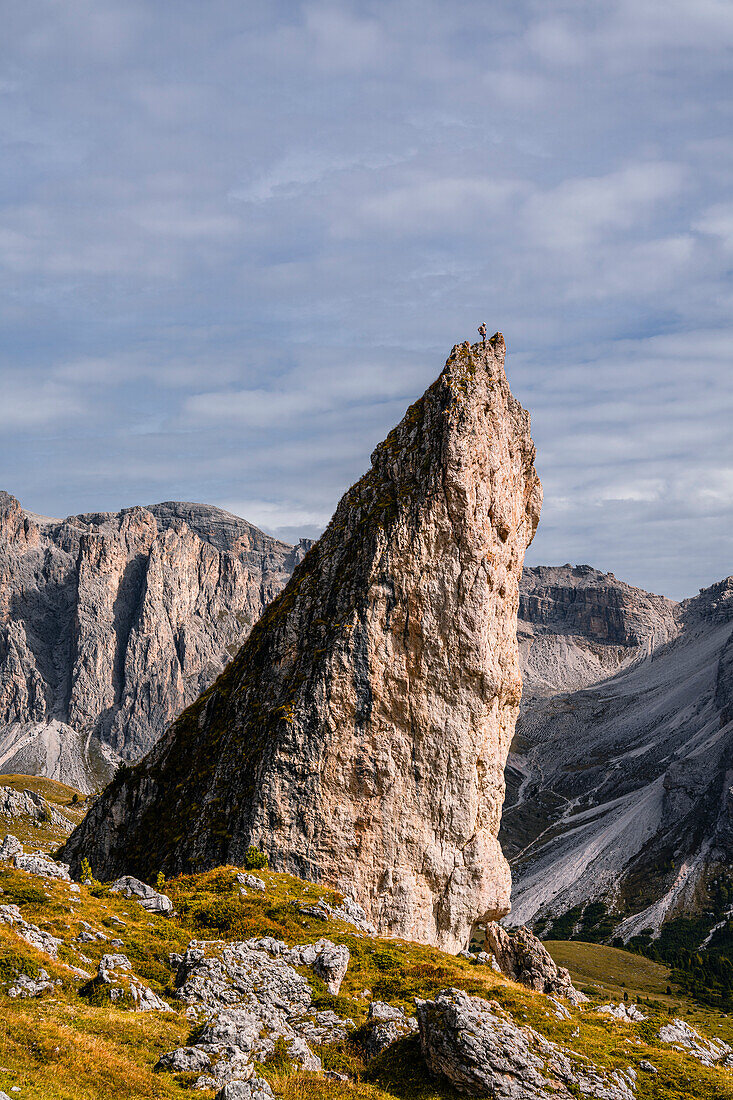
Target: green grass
[[58, 794], [611, 973], [62, 1047]]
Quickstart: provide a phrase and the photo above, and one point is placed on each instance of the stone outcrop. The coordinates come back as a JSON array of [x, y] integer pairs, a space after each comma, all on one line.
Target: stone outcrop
[[619, 778], [30, 805], [522, 957], [359, 736], [111, 623], [577, 626], [711, 1052], [479, 1048], [250, 995], [116, 981], [144, 895]]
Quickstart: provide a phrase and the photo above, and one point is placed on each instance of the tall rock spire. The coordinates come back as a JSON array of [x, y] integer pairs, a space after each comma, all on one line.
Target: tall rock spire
[[359, 736]]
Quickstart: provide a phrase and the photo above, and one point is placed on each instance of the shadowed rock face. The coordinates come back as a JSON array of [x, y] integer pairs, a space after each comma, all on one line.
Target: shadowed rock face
[[111, 623], [578, 625], [359, 737]]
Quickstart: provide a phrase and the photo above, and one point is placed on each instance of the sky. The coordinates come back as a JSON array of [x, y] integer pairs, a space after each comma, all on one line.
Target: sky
[[237, 240]]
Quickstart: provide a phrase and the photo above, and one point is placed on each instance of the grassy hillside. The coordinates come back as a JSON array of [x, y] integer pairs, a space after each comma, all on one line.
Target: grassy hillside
[[43, 835], [58, 794], [61, 1047]]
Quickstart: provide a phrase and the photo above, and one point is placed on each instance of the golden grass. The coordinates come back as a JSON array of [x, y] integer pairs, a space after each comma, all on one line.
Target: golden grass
[[60, 1047]]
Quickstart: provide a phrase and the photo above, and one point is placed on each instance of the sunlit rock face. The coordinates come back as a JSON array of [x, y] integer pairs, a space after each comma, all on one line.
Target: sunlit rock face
[[111, 623], [360, 735]]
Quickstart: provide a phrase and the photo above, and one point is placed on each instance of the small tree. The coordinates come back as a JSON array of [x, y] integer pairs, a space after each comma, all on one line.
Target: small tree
[[86, 873], [159, 881], [254, 859]]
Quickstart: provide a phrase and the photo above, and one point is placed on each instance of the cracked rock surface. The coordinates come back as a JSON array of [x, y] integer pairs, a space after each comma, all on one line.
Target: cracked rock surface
[[482, 1052], [246, 995], [112, 622], [359, 737]]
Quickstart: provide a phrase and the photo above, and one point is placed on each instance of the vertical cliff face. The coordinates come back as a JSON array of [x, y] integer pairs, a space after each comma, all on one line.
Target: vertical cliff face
[[111, 623], [578, 626], [360, 735]]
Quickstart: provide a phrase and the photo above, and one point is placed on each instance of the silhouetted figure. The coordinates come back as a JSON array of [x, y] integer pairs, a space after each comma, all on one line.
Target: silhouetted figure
[[482, 332]]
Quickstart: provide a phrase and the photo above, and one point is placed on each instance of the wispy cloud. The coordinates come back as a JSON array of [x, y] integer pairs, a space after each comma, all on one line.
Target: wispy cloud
[[237, 240]]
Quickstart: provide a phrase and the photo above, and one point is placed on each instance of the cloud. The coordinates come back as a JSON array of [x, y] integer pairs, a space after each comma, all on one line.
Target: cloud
[[236, 241], [579, 212]]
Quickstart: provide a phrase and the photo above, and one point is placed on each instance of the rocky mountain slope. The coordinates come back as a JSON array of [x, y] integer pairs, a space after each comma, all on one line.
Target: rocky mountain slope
[[248, 986], [359, 737], [619, 791], [111, 623]]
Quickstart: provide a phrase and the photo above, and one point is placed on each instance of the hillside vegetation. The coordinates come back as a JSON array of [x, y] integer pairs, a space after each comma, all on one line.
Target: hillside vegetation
[[63, 1046]]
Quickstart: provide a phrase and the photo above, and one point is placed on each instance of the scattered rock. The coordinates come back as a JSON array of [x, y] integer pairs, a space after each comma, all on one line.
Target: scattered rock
[[252, 881], [25, 986], [385, 1024], [561, 1012], [36, 937], [39, 864], [250, 994], [647, 1066], [114, 974], [149, 898], [522, 957], [622, 1011], [254, 1089], [349, 912], [711, 1052], [482, 1052]]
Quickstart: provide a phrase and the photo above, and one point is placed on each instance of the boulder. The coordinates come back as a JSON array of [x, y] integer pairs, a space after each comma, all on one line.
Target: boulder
[[483, 1052], [183, 1060], [115, 974], [254, 1089], [711, 1052], [10, 847], [385, 1024], [39, 864], [31, 933], [250, 994], [252, 881], [145, 895], [331, 965], [622, 1011], [25, 986], [523, 958]]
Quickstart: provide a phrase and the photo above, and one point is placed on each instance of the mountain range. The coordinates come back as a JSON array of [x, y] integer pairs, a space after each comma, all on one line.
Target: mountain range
[[112, 622], [619, 779], [618, 804]]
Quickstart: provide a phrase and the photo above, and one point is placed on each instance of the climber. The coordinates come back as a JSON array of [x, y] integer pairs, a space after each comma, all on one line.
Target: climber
[[482, 332]]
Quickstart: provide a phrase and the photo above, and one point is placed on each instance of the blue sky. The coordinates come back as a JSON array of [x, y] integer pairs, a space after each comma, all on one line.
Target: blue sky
[[236, 240]]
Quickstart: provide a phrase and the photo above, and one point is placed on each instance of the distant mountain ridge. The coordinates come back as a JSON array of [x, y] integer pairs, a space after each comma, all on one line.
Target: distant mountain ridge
[[112, 622], [619, 789]]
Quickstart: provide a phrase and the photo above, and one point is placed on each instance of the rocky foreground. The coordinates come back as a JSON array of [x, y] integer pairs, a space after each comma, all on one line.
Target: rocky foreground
[[248, 985], [359, 737], [111, 623]]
